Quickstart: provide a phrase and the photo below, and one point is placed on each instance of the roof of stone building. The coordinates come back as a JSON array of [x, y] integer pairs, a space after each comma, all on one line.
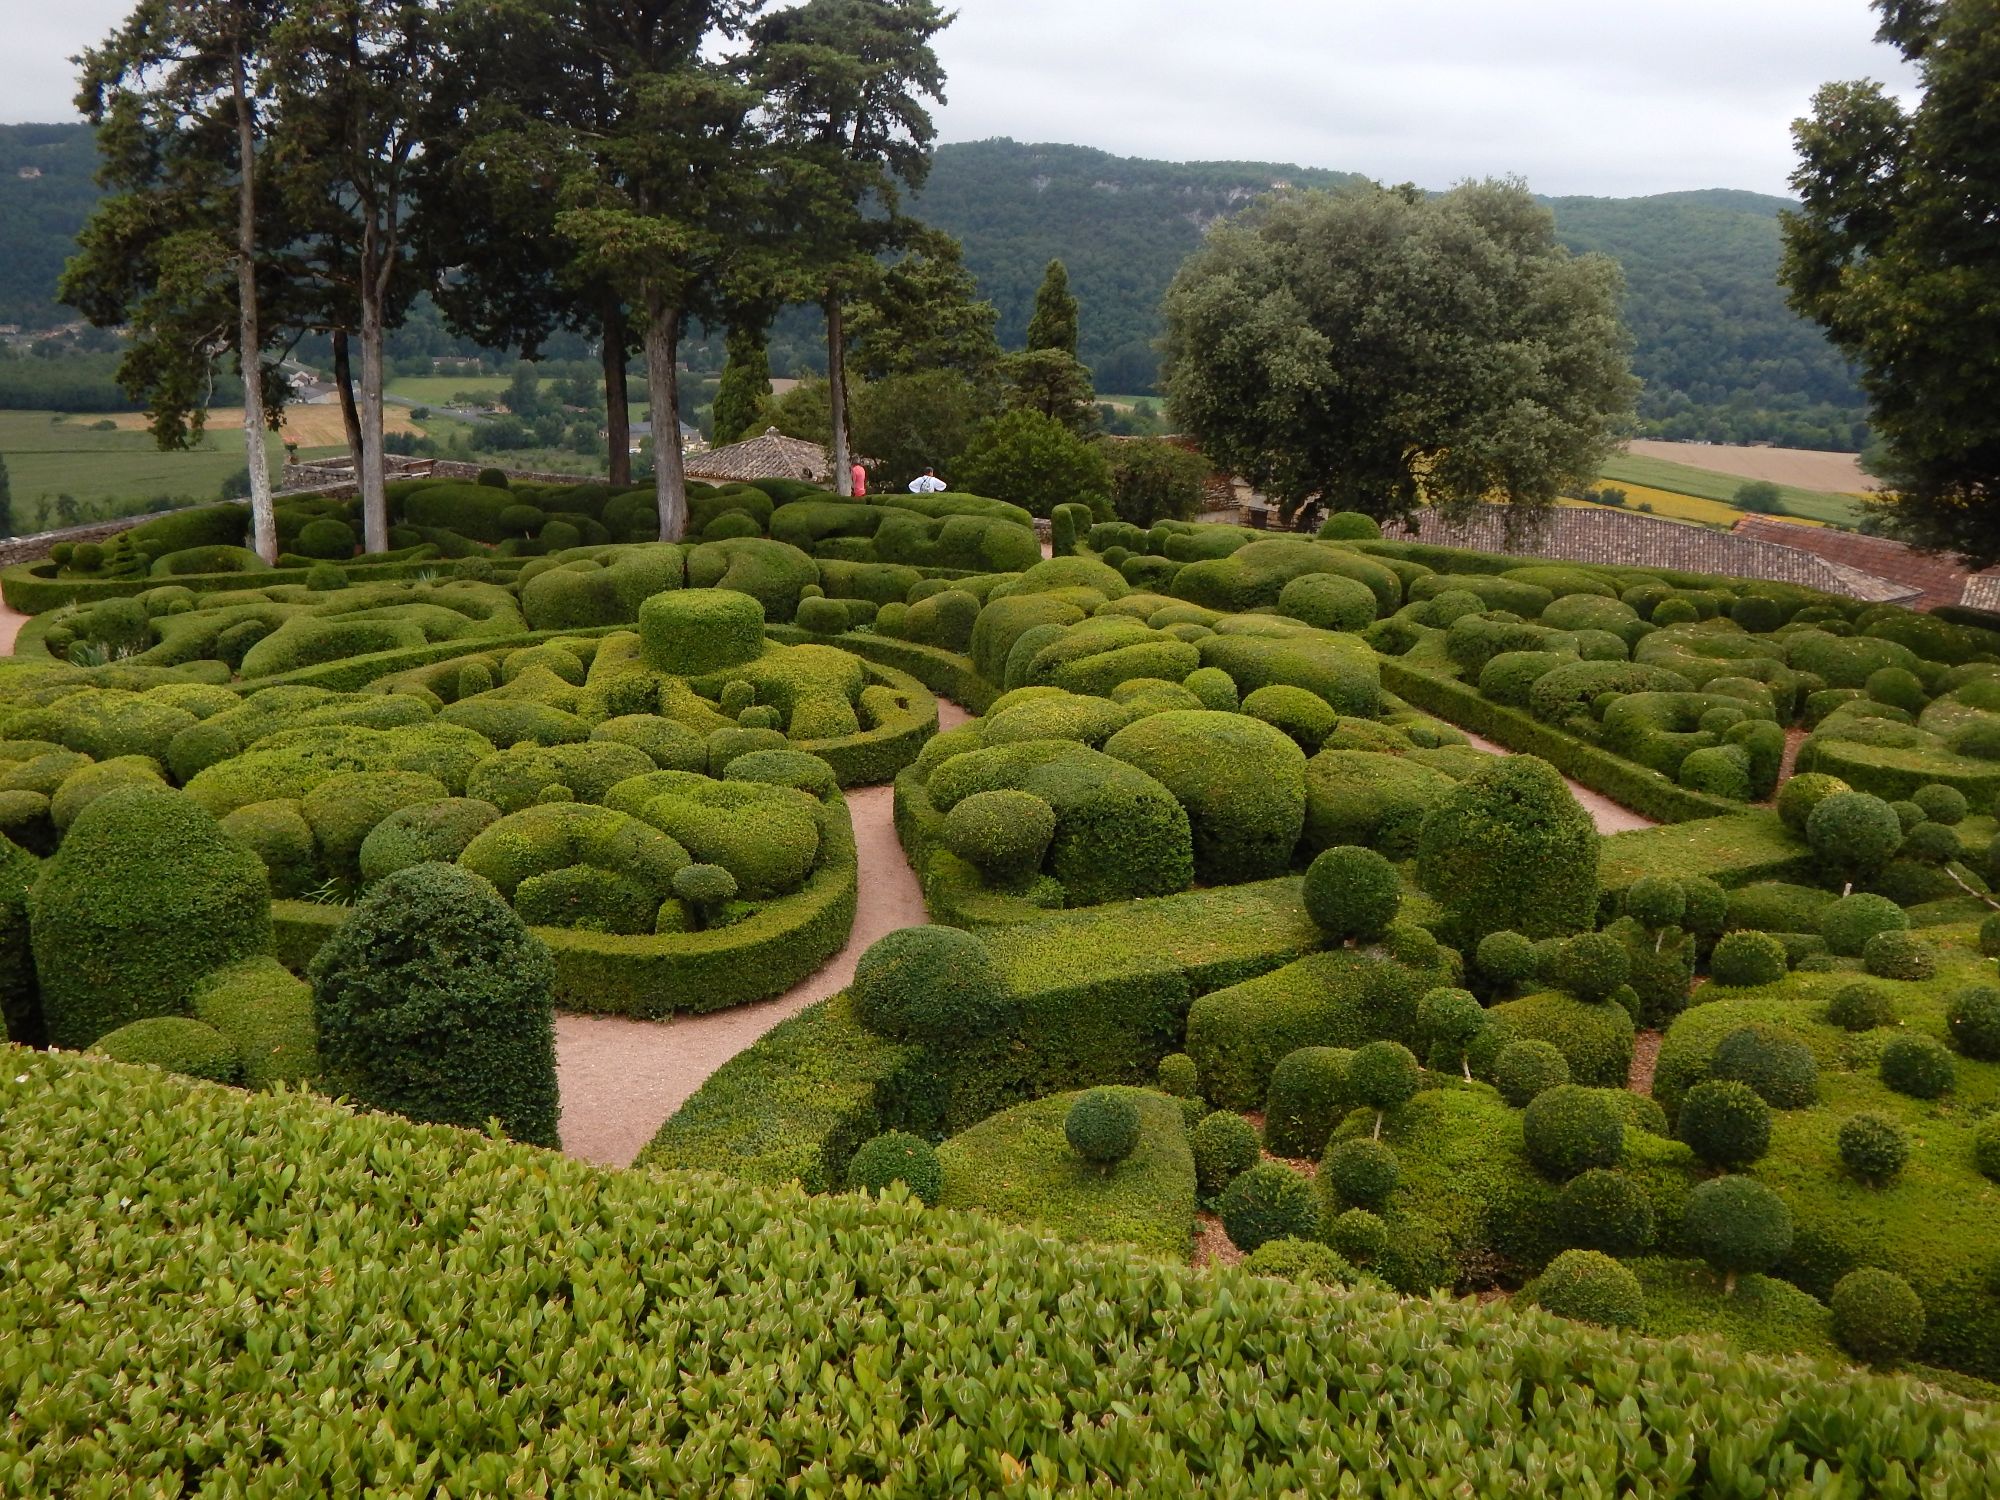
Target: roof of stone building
[[1595, 534], [1936, 577], [770, 455]]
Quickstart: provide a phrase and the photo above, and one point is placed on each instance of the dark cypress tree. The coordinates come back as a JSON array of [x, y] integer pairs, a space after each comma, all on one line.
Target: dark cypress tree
[[1054, 324], [746, 382]]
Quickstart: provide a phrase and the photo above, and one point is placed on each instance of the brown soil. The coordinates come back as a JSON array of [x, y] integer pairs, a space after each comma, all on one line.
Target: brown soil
[[1211, 1244], [1645, 1058], [1808, 469]]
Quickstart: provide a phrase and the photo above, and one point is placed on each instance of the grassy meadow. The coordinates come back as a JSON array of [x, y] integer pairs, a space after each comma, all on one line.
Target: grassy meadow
[[1631, 472], [109, 473]]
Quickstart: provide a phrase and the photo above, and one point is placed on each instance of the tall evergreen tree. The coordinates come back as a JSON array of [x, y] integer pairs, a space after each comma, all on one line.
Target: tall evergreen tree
[[1896, 254], [924, 312], [1054, 324], [845, 82], [746, 383]]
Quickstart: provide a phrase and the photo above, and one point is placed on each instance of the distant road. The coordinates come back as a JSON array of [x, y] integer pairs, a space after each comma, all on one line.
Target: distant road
[[1836, 473]]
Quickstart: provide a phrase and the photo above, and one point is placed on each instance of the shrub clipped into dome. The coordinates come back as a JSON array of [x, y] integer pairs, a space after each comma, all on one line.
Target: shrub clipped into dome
[[1877, 1318], [1592, 965], [1772, 1061], [1570, 1129], [1918, 1066], [1655, 902], [1328, 601], [1798, 797], [1526, 1069], [1738, 1225], [1306, 1261], [1506, 959], [1225, 1145], [1860, 1007], [1383, 1076], [1899, 955], [1605, 1211], [1590, 1287], [1725, 1123], [1873, 1147], [1972, 1015], [1941, 803], [145, 896], [1448, 1019], [897, 1157], [1509, 849], [1102, 1127], [704, 890], [1307, 1097], [1002, 834], [692, 632], [1744, 959], [935, 985], [1986, 1147], [1361, 1170], [1848, 924], [435, 1001], [1352, 894], [1358, 1236], [1268, 1202], [179, 1044], [1350, 526], [1178, 1077], [1854, 834]]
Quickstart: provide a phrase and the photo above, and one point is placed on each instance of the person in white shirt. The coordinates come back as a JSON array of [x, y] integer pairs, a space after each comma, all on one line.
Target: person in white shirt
[[927, 483]]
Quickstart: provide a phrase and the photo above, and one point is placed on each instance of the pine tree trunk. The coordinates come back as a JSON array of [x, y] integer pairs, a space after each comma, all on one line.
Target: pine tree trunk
[[374, 464], [250, 337], [836, 387], [617, 403], [343, 384], [663, 391]]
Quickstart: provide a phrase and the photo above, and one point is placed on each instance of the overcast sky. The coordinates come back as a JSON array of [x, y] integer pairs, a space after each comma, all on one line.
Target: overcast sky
[[1615, 97]]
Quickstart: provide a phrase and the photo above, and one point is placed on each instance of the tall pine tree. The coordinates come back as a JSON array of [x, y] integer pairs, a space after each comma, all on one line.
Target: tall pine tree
[[1053, 325], [746, 382]]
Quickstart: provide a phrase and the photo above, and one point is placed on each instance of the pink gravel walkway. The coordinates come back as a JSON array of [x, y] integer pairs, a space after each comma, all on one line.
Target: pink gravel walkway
[[10, 626], [1606, 814], [620, 1079]]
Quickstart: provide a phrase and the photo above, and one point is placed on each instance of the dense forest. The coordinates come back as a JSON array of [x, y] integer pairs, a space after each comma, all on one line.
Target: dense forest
[[1722, 357]]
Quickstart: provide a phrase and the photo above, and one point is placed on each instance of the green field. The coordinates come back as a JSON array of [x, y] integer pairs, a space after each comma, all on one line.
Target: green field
[[437, 390], [108, 473], [1660, 474]]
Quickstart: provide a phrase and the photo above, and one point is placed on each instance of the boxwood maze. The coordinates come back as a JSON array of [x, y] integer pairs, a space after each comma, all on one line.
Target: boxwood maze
[[1233, 924]]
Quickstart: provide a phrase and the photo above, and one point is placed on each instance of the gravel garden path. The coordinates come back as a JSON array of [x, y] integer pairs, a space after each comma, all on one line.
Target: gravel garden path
[[1608, 815]]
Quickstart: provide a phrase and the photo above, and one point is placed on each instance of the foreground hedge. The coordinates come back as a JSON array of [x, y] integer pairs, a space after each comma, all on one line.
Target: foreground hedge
[[261, 1294]]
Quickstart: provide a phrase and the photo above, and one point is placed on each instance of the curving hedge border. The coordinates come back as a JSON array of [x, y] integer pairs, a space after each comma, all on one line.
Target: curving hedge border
[[29, 590], [685, 973], [945, 673]]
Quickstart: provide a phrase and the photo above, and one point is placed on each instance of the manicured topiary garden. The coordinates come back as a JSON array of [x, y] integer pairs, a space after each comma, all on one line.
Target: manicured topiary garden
[[1243, 949]]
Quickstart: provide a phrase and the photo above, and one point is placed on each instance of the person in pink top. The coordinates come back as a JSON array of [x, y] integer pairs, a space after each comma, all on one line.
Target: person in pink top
[[860, 477]]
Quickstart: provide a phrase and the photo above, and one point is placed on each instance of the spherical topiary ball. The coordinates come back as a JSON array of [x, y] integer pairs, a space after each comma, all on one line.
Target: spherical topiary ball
[[1941, 803], [1362, 1171], [1605, 1210], [1306, 1099], [1853, 831], [179, 1044], [1591, 965], [1873, 1148], [1897, 687], [1268, 1202], [1570, 1129], [1656, 901], [1907, 813], [1799, 796], [1899, 955], [1933, 844], [1772, 1061], [1003, 834], [1352, 893], [1738, 1226], [325, 578], [897, 1157], [1725, 1123], [1973, 1017], [1525, 1069], [929, 984], [1178, 1076], [1877, 1318], [1358, 1236], [1506, 958], [1986, 1147], [1383, 1076], [1848, 924], [1350, 526], [1102, 1126], [1918, 1066], [1743, 959], [1225, 1145], [1306, 1261], [1590, 1287], [1860, 1007]]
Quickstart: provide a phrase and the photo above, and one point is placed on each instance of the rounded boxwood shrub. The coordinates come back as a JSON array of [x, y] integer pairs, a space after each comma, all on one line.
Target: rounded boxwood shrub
[[1102, 1127], [1907, 813], [1897, 688], [1003, 834], [1350, 526], [1525, 1069], [495, 479], [1743, 959], [1383, 1076], [145, 896], [1860, 1007], [1656, 902], [1305, 1261], [1853, 833], [1214, 687], [1510, 849], [1225, 1145], [1353, 894], [704, 890], [1362, 1171], [936, 985], [1307, 1097], [1448, 1019], [1590, 1287], [1570, 1129], [179, 1044], [1918, 1066], [325, 538], [1772, 1061], [1877, 1318], [1973, 1018], [1177, 1076], [435, 1001], [1986, 1147], [1738, 1225], [1798, 797], [1989, 935], [1873, 1147], [1592, 965], [1506, 958], [897, 1157], [1899, 955], [1941, 803], [1305, 716], [1933, 844], [1268, 1202], [1725, 1123], [1848, 924], [325, 578], [1358, 1236], [1605, 1210], [692, 632], [1329, 601]]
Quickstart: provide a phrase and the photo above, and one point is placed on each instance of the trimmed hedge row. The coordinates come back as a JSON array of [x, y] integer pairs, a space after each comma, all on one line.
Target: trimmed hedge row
[[28, 590]]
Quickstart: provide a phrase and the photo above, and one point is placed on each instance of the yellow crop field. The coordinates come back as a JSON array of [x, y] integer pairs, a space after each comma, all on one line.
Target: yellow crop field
[[1678, 507], [308, 426]]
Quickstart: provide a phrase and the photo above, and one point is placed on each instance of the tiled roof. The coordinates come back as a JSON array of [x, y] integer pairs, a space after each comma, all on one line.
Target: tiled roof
[[1594, 534], [1935, 577], [769, 456]]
